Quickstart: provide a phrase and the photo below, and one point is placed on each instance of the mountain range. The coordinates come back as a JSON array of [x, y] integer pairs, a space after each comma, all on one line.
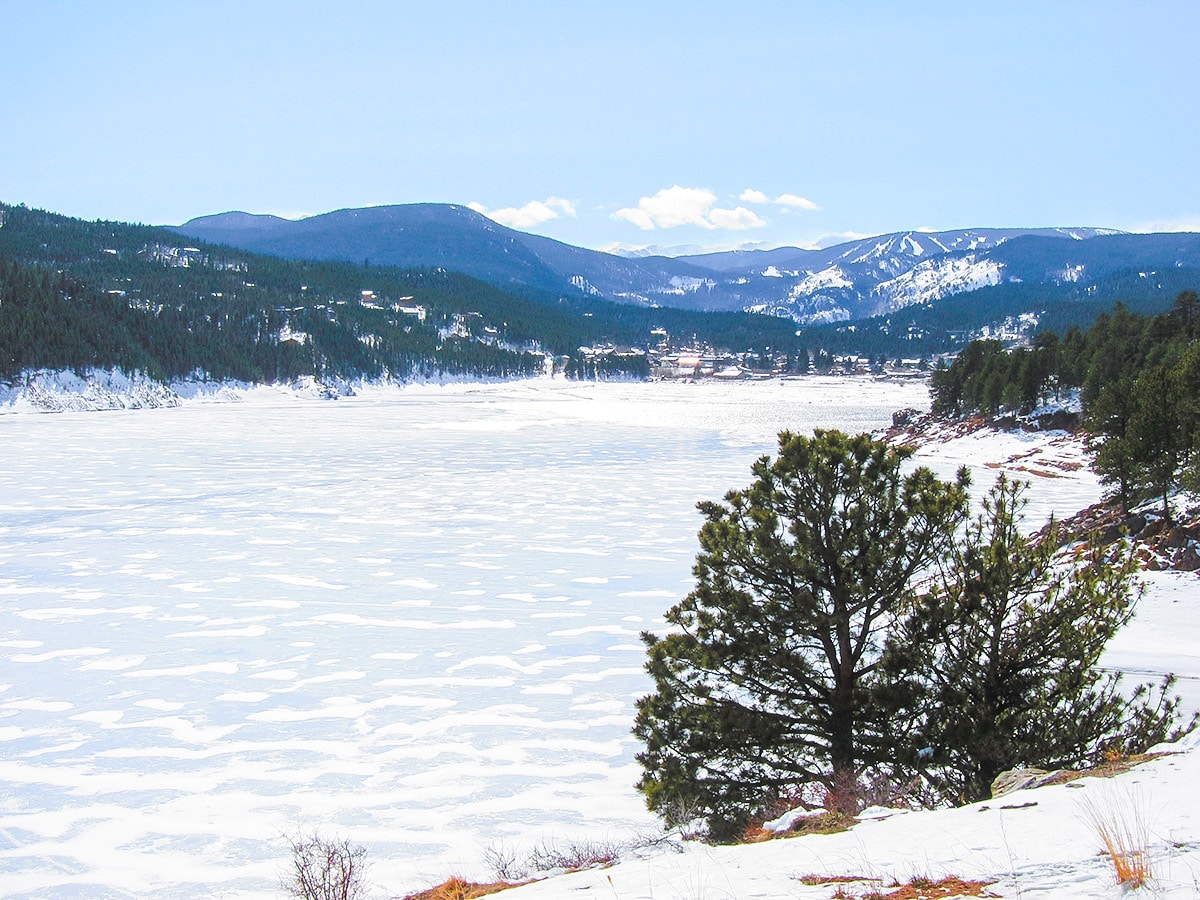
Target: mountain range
[[96, 295], [849, 281]]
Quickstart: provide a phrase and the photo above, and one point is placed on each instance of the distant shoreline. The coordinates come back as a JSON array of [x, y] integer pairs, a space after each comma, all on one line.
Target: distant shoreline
[[56, 391]]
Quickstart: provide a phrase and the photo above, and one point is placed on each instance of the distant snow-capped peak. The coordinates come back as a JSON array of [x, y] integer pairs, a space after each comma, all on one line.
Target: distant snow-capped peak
[[638, 251]]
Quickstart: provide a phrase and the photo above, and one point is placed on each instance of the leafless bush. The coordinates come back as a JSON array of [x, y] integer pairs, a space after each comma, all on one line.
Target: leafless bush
[[686, 817], [878, 789], [509, 864], [573, 855], [325, 869], [505, 862]]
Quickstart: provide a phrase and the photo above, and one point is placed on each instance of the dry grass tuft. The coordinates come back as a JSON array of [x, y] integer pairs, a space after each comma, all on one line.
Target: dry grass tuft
[[459, 889], [825, 823], [821, 823], [1113, 764], [818, 880], [1124, 837], [918, 888], [928, 889], [756, 834]]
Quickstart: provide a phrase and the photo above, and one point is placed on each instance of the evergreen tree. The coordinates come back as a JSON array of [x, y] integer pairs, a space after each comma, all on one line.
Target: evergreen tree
[[1157, 430], [1001, 658], [769, 685], [1187, 377], [1110, 440], [1187, 313]]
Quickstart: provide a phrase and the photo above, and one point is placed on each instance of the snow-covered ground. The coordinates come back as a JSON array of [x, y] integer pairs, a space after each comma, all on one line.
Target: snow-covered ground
[[1039, 843], [411, 618]]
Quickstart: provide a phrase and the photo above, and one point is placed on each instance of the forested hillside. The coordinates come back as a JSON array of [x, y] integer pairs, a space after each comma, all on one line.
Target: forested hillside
[[80, 295], [925, 330], [1138, 379]]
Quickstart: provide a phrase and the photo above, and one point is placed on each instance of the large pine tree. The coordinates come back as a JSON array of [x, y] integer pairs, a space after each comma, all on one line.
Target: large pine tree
[[768, 684], [840, 628]]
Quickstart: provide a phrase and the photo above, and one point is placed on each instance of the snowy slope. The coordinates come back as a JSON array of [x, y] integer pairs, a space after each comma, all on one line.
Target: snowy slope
[[46, 391], [1031, 844], [937, 278]]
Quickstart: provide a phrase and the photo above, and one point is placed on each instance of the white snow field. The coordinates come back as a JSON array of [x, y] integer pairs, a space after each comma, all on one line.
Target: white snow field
[[410, 618], [1038, 844]]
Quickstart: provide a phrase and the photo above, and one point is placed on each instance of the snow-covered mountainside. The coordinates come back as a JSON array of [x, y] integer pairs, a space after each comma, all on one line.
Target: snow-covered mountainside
[[876, 275], [939, 277]]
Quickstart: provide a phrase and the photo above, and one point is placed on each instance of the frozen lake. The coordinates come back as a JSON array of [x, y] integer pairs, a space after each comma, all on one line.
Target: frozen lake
[[409, 618]]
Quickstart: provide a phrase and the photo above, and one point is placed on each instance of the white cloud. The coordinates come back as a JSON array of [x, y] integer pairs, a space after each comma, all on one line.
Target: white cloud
[[750, 195], [532, 213], [832, 240], [621, 249], [735, 219], [678, 205], [1191, 223], [670, 208], [797, 201]]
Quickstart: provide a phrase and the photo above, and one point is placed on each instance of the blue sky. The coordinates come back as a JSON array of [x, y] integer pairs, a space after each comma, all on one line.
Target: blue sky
[[636, 123]]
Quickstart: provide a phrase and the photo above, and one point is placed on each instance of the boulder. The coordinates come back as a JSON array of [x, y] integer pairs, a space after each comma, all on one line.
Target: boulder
[[1134, 524], [1019, 779], [1176, 539]]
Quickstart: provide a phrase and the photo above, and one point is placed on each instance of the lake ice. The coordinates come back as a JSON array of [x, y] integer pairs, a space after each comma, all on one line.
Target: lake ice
[[409, 618]]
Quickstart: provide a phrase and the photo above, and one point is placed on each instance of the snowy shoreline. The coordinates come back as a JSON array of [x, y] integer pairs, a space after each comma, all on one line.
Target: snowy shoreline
[[54, 391]]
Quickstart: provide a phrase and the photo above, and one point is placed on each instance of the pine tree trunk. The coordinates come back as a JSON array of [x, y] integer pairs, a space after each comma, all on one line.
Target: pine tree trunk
[[843, 794]]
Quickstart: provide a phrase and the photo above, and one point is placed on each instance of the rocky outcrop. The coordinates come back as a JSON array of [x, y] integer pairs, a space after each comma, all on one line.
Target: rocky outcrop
[[1158, 543]]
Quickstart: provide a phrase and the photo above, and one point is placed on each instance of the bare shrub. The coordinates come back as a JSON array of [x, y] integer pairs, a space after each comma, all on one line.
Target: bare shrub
[[573, 855], [876, 788], [325, 868], [686, 816], [511, 865], [505, 862]]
